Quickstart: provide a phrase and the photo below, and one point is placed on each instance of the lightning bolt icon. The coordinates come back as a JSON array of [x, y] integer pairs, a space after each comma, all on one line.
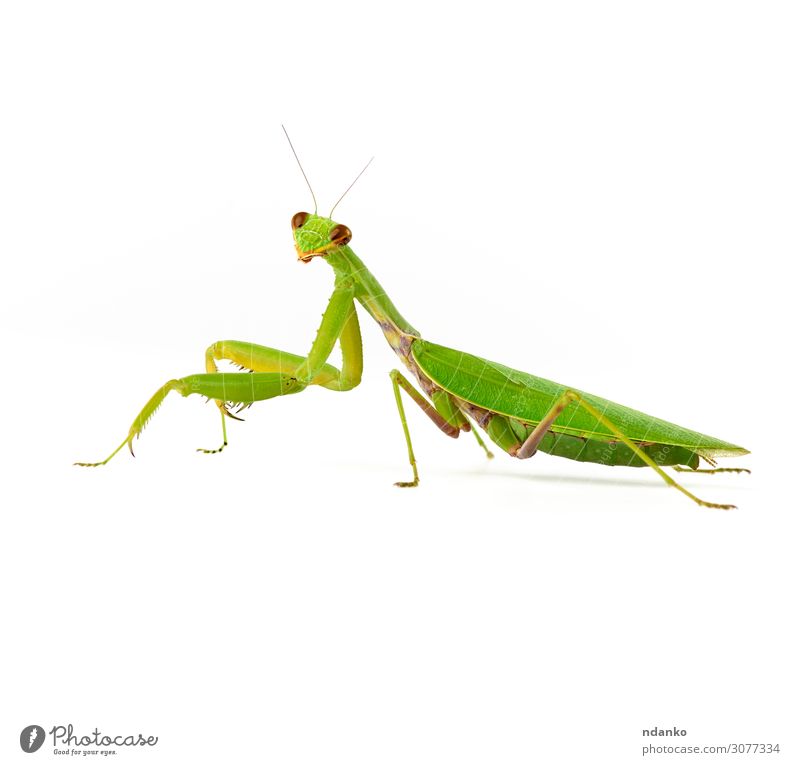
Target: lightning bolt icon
[[34, 734]]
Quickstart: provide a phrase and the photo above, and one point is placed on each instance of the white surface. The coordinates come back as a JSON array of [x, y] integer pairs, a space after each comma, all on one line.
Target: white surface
[[602, 194]]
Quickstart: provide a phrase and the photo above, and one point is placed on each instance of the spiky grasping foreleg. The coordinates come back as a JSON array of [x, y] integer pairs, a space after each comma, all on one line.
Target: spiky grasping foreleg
[[277, 373], [222, 386]]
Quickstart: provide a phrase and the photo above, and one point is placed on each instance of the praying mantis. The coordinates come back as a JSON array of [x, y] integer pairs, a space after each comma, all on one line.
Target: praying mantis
[[521, 414]]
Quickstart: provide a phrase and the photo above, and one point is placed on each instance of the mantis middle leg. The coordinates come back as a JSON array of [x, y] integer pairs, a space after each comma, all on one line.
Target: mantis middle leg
[[443, 413]]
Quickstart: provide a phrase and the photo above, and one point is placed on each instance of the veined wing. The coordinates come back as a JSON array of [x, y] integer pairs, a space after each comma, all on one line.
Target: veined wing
[[522, 396]]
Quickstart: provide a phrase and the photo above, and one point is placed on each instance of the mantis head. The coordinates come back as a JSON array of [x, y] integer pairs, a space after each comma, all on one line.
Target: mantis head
[[315, 235]]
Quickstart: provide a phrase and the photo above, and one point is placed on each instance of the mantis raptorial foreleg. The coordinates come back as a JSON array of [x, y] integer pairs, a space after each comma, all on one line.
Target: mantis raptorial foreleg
[[531, 443], [274, 372], [339, 322], [224, 386], [259, 358]]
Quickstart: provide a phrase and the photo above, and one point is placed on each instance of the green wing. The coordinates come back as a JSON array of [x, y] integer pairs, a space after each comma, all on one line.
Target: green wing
[[524, 397]]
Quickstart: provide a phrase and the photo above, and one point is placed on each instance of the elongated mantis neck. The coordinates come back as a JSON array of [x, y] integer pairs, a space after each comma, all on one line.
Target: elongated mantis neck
[[369, 292]]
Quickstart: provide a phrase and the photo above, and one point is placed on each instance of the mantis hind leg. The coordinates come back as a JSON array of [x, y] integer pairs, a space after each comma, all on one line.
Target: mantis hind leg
[[233, 388], [531, 443]]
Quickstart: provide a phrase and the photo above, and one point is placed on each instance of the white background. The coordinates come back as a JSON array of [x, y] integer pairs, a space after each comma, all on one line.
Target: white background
[[603, 194]]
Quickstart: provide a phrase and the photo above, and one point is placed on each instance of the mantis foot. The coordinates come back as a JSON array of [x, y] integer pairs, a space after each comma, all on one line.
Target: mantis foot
[[679, 469], [715, 506], [225, 413], [128, 440], [213, 451]]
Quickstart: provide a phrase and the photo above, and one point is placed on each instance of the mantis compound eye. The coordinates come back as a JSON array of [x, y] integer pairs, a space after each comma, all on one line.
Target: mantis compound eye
[[341, 235], [298, 220]]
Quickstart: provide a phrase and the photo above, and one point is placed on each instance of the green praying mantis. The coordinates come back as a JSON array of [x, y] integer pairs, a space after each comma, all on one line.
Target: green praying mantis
[[522, 414]]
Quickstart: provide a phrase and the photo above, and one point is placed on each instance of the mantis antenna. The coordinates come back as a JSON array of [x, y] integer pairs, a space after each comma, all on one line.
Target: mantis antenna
[[291, 146], [330, 214]]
